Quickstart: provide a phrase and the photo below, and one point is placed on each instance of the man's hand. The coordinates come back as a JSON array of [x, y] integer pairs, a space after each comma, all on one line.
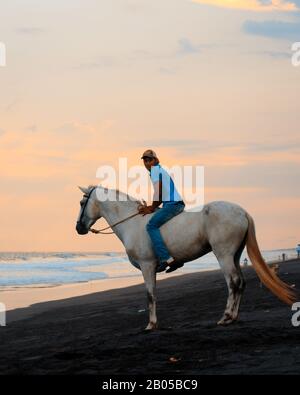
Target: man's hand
[[146, 210]]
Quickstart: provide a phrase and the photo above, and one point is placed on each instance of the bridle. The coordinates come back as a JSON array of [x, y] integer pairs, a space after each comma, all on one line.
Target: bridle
[[108, 227], [85, 204]]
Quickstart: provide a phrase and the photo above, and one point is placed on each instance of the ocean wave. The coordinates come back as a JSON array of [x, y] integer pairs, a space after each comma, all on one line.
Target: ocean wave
[[51, 278], [33, 256]]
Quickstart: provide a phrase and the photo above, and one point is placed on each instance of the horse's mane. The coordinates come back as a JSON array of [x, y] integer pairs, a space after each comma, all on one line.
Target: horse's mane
[[118, 193]]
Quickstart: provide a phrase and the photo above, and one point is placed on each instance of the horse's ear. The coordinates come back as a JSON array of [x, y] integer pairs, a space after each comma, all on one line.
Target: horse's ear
[[84, 190]]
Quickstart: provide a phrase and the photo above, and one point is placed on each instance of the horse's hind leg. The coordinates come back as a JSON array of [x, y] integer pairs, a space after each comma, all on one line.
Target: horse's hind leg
[[235, 284], [242, 283], [149, 274]]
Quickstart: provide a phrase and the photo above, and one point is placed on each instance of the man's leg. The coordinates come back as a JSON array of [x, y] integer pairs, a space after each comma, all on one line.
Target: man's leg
[[158, 219]]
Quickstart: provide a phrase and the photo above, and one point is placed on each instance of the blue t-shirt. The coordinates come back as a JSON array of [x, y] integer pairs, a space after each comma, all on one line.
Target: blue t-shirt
[[169, 191]]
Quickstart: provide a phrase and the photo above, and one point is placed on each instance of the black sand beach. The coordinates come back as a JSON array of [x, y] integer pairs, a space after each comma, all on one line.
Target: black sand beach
[[103, 333]]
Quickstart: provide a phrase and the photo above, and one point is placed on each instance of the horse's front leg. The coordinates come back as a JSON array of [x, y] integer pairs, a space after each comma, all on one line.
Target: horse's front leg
[[149, 274]]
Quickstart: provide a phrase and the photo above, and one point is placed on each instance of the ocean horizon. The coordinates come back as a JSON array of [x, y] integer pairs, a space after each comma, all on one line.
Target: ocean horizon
[[25, 269]]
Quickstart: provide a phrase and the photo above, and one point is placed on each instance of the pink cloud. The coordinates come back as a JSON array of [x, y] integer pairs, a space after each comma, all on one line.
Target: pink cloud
[[253, 5]]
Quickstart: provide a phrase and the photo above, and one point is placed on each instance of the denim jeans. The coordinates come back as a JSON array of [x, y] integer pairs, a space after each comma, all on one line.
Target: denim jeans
[[159, 217]]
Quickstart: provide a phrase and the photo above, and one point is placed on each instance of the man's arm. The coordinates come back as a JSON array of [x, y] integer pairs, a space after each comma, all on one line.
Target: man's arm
[[157, 199]]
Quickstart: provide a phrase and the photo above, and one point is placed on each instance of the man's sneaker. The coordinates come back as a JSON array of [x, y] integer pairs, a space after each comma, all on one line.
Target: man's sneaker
[[162, 266], [174, 267]]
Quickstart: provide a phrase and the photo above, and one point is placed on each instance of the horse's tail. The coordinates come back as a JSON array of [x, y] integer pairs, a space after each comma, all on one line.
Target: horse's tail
[[282, 290]]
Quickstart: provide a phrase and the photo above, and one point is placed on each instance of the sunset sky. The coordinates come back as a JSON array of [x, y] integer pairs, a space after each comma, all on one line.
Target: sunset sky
[[202, 82]]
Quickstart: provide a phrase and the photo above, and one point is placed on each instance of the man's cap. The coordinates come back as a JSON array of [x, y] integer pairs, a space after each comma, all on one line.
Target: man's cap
[[149, 153]]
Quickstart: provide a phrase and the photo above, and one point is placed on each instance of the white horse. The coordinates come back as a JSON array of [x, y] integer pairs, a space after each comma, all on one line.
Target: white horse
[[222, 227]]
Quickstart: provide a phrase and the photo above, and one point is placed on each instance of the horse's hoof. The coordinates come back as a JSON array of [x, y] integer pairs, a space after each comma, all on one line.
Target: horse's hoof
[[226, 320], [151, 327]]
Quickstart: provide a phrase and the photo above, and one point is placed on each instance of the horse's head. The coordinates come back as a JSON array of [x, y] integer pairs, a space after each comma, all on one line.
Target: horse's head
[[89, 210]]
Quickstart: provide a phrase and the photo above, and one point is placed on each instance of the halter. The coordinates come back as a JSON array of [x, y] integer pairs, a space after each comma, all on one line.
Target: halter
[[110, 226]]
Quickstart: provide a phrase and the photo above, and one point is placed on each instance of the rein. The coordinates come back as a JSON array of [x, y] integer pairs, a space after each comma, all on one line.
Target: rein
[[110, 226]]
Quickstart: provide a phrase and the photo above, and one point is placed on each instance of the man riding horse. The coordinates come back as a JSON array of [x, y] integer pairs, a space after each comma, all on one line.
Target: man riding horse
[[165, 193]]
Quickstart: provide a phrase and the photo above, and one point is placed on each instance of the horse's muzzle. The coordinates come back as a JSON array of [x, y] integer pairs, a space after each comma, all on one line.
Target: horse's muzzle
[[81, 229]]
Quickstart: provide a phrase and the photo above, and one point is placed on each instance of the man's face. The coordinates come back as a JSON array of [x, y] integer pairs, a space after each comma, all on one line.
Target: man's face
[[148, 162]]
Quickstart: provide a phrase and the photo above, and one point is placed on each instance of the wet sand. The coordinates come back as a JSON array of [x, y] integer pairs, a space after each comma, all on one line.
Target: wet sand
[[17, 300], [102, 332]]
